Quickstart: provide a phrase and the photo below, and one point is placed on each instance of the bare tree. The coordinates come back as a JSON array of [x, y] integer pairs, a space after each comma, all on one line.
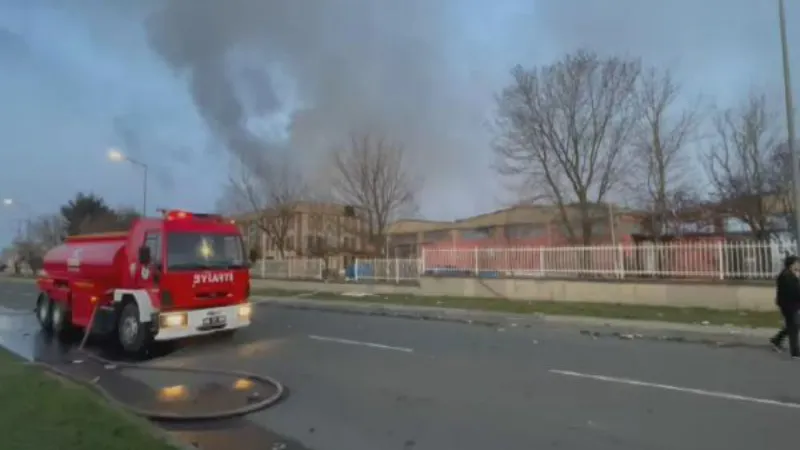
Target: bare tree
[[40, 235], [741, 167], [327, 238], [46, 230], [271, 192], [564, 129], [662, 169], [371, 175], [232, 202], [783, 185], [8, 255]]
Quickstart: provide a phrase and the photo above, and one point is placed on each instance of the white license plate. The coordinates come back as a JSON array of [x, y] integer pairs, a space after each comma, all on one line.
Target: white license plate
[[214, 321]]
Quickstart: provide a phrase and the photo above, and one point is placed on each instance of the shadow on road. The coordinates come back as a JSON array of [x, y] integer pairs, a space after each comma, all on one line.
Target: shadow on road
[[146, 388]]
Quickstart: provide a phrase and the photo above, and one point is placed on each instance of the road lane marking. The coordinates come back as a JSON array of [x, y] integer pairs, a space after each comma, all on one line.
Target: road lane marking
[[361, 343], [668, 387]]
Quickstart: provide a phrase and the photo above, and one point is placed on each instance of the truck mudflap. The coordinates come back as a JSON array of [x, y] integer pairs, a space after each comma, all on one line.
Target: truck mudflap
[[186, 323]]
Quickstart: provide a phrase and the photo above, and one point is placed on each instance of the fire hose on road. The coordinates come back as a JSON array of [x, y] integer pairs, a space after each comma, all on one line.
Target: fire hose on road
[[161, 415]]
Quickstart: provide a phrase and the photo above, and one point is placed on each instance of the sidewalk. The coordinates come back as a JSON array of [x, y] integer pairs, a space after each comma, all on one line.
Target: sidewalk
[[588, 325], [591, 325]]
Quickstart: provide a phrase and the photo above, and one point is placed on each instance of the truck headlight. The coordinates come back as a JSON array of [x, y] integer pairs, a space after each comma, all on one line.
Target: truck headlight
[[245, 311], [173, 320]]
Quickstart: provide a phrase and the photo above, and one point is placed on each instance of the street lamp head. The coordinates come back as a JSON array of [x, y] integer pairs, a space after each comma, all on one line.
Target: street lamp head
[[115, 155]]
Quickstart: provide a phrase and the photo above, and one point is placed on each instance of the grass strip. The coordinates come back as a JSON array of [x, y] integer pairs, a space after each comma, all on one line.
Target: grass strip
[[39, 411], [705, 316]]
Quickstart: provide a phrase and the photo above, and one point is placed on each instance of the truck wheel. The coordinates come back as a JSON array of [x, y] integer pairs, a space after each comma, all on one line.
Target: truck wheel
[[60, 319], [44, 311], [133, 335]]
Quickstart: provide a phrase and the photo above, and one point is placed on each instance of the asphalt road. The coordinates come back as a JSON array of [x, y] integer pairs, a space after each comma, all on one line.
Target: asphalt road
[[367, 383]]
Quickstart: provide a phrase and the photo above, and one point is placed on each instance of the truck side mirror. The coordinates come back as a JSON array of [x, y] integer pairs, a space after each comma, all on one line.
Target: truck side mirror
[[144, 255]]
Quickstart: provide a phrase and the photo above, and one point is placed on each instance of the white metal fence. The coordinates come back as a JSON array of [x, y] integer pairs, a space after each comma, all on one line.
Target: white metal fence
[[391, 269], [298, 268], [686, 260], [387, 269], [692, 260]]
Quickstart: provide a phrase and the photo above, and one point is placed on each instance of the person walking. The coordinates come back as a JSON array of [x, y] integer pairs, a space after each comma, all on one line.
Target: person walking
[[787, 296]]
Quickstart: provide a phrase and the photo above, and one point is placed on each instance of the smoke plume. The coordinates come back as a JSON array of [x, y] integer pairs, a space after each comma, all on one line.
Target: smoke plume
[[378, 66]]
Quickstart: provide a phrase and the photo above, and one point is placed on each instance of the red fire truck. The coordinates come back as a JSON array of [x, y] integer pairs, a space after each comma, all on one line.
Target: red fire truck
[[167, 278]]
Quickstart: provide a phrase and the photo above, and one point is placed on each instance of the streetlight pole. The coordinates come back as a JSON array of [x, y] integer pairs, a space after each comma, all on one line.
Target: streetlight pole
[[144, 183], [787, 87], [12, 203], [116, 155]]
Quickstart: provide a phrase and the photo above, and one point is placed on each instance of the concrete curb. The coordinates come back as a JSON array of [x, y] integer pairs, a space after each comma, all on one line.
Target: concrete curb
[[477, 317], [147, 426], [488, 318], [12, 279]]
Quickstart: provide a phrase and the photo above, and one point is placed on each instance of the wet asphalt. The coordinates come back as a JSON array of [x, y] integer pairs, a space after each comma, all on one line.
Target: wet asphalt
[[366, 383], [104, 368]]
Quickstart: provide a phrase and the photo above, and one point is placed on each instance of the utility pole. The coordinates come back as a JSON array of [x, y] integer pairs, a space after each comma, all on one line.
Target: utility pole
[[787, 87], [611, 224], [117, 156]]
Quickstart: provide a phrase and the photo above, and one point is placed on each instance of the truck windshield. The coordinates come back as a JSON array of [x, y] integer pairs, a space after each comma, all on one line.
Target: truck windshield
[[194, 251]]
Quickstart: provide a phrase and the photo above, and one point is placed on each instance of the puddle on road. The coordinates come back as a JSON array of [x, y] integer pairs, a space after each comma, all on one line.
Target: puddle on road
[[177, 393], [19, 333]]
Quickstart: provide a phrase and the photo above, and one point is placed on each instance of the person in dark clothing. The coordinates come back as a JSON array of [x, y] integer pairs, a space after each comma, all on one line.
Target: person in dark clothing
[[787, 297]]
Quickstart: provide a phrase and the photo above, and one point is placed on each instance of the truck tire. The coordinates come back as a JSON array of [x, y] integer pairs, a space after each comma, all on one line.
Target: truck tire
[[132, 334], [60, 320], [44, 311]]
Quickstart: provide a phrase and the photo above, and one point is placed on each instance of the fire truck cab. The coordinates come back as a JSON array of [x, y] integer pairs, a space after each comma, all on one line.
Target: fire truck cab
[[167, 278]]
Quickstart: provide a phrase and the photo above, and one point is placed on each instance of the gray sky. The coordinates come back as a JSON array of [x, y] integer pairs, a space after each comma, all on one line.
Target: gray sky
[[182, 85]]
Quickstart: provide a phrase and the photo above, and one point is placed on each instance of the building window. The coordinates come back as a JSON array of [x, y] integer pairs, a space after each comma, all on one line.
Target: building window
[[404, 251], [437, 236], [601, 228], [315, 222], [564, 230], [475, 234], [288, 242], [315, 242], [401, 239], [525, 231]]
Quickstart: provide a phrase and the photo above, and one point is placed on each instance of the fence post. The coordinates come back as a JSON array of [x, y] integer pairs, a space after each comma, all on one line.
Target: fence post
[[621, 260], [321, 264], [721, 258], [396, 270], [422, 262], [477, 265], [288, 268], [541, 261], [263, 267], [355, 270]]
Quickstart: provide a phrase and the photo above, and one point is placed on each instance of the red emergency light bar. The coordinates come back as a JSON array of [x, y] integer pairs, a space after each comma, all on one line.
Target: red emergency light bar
[[185, 215]]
